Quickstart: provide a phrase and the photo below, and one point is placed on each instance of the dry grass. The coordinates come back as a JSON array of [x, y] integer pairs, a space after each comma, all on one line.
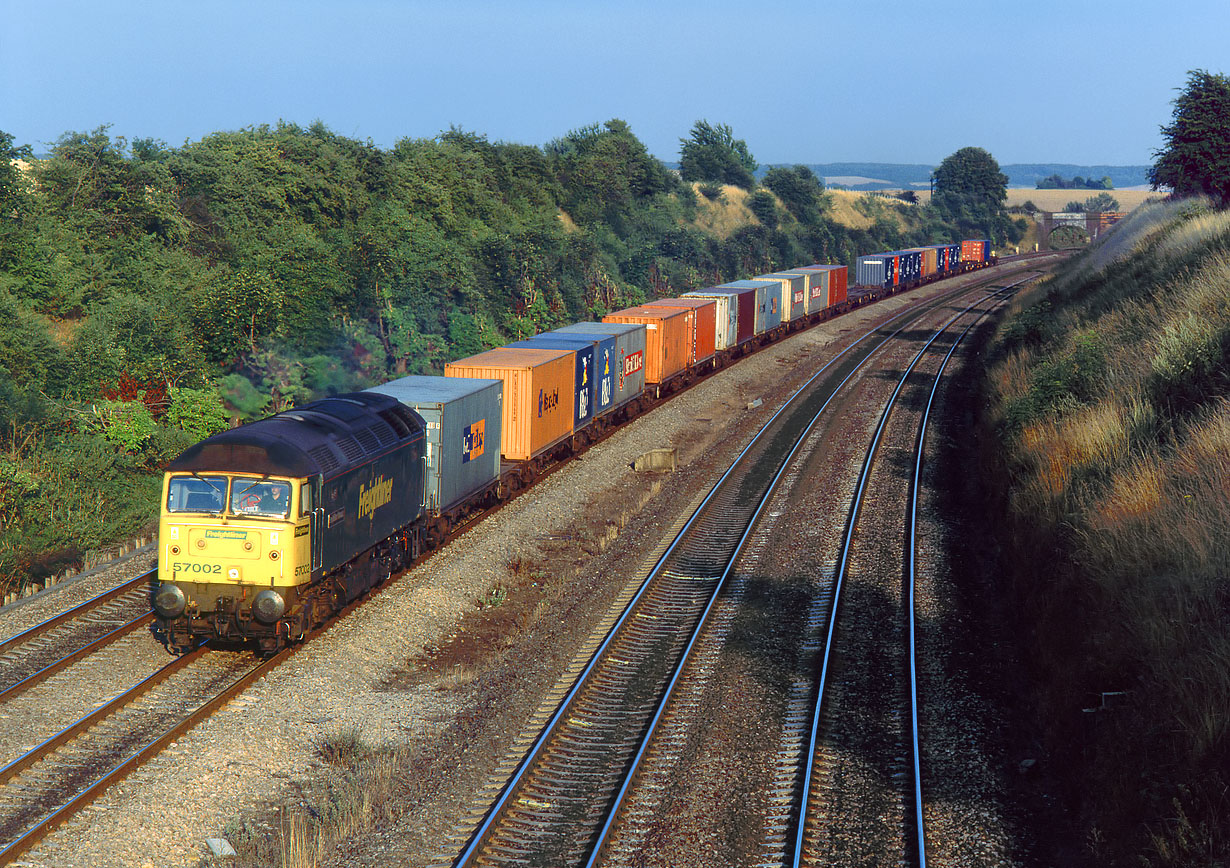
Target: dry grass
[[1127, 485], [361, 791], [722, 217], [845, 212]]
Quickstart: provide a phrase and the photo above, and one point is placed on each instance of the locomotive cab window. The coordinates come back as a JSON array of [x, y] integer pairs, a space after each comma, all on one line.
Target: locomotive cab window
[[261, 497], [305, 498], [196, 494]]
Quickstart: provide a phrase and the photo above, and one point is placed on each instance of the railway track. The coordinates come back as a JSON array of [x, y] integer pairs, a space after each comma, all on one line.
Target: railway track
[[65, 773], [92, 775], [862, 789], [34, 655], [566, 798]]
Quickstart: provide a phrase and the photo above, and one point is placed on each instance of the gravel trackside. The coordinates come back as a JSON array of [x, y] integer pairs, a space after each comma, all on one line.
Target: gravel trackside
[[415, 668]]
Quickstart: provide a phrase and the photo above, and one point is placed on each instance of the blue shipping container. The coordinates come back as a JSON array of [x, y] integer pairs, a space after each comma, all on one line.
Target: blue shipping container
[[583, 403], [604, 369], [629, 354]]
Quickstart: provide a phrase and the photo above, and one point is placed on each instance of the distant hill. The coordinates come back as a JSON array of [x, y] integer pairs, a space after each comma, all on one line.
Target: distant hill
[[878, 176]]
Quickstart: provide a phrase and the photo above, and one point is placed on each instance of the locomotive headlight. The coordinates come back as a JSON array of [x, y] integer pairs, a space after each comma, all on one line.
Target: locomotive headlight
[[268, 606], [169, 601]]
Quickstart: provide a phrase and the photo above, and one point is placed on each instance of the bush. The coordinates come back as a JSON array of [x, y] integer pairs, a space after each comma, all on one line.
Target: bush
[[764, 206]]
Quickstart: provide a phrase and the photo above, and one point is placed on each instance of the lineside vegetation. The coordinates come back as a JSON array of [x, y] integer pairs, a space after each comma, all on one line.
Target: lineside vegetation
[[151, 295], [1109, 417]]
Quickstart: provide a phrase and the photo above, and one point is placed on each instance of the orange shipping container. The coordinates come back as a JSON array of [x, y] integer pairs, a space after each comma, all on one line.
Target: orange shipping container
[[667, 339], [538, 388], [704, 336]]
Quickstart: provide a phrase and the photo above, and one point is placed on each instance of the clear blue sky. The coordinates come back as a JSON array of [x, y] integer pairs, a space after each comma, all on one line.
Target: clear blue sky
[[1077, 81]]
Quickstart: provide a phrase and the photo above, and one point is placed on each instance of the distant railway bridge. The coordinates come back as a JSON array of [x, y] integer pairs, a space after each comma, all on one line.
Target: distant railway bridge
[[1065, 230]]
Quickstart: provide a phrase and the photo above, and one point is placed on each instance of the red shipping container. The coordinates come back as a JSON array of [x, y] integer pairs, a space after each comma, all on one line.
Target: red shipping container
[[704, 332], [668, 342], [838, 279], [973, 251]]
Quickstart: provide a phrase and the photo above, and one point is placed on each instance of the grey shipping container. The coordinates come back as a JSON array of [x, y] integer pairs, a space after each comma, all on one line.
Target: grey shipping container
[[629, 354], [727, 315], [876, 269], [794, 293], [463, 419], [768, 302], [815, 288]]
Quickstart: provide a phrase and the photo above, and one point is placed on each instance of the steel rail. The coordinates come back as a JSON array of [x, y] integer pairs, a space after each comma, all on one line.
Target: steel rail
[[39, 830], [913, 558], [71, 658], [71, 731], [75, 612], [480, 834], [839, 573]]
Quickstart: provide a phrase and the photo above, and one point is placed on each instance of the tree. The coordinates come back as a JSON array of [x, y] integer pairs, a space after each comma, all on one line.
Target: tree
[[1101, 202], [972, 175], [970, 192], [1196, 156], [713, 154], [762, 205], [800, 191], [10, 177]]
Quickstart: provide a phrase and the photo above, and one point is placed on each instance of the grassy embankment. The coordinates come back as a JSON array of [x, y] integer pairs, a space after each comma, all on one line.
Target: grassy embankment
[[1108, 435]]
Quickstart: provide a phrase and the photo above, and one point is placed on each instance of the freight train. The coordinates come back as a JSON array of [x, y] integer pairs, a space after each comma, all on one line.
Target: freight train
[[269, 529]]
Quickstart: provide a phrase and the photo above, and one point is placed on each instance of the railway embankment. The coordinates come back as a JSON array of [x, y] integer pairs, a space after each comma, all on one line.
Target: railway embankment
[[1105, 435]]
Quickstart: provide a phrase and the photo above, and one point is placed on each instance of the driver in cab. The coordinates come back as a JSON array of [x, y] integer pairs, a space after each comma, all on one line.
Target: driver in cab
[[270, 498]]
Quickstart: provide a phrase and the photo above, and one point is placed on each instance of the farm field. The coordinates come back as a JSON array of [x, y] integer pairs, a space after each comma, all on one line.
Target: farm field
[[1055, 200]]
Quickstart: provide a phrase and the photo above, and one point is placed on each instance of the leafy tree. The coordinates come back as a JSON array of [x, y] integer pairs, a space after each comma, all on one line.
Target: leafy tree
[[10, 177], [606, 172], [1196, 156], [236, 313], [713, 154], [1101, 202], [971, 175], [198, 412], [970, 192], [800, 191]]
